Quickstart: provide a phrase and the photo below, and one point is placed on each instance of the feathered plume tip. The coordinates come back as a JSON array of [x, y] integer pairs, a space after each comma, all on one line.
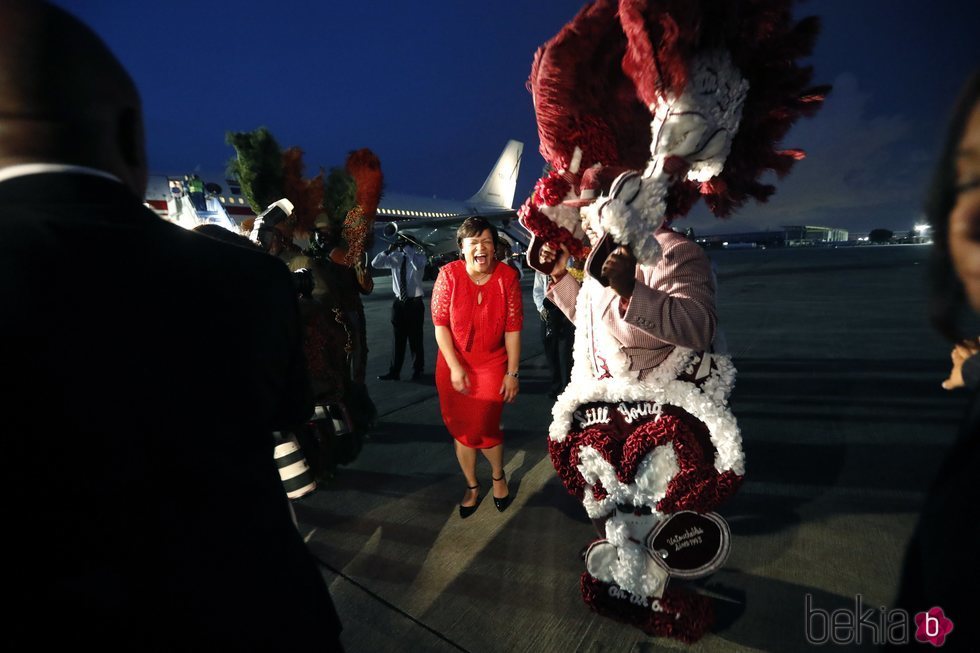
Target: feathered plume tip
[[765, 45], [258, 166], [365, 168], [305, 194], [588, 115], [584, 100]]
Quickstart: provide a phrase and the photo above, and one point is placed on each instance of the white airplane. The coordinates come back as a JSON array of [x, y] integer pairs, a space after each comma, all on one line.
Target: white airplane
[[224, 204]]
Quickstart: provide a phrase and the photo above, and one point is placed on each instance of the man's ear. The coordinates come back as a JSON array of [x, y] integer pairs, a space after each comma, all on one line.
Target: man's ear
[[129, 138]]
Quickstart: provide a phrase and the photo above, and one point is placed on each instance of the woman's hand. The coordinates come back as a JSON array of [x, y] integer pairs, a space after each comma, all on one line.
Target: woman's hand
[[508, 388], [960, 353], [461, 382]]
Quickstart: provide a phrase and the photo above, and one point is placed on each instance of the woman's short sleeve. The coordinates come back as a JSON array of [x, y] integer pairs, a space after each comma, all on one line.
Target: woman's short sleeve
[[442, 296], [514, 319]]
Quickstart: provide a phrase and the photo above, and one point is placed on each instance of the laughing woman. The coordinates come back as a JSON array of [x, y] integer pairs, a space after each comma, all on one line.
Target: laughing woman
[[477, 313]]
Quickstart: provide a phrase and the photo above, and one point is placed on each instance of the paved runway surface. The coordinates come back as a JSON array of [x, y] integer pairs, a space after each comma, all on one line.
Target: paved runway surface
[[844, 423]]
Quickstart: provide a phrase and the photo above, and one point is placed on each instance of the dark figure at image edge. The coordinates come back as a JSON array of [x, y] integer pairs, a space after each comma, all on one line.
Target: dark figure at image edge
[[153, 517], [941, 561]]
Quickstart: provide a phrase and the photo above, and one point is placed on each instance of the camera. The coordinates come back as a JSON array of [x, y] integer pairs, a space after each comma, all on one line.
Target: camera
[[303, 282], [266, 221]]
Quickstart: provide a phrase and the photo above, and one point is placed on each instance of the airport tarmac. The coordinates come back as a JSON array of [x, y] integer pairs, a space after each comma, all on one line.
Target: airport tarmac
[[844, 423]]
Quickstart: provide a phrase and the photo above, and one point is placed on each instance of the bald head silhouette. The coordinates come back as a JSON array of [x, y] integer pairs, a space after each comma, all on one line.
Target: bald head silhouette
[[64, 97]]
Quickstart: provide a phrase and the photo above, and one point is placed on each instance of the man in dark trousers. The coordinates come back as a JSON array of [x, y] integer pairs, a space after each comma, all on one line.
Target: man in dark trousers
[[143, 510], [557, 337], [407, 264]]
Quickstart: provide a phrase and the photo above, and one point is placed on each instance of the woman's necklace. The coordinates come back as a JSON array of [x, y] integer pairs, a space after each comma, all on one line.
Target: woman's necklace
[[480, 280]]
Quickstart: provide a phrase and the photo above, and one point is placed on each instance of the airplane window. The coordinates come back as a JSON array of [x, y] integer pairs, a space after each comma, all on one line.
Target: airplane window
[[222, 199]]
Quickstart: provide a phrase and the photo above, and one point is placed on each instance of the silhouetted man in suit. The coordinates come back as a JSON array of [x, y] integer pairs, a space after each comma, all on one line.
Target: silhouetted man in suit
[[144, 369]]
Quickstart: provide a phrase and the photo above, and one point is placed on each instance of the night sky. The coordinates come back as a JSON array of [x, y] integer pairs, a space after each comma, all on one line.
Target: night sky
[[437, 88]]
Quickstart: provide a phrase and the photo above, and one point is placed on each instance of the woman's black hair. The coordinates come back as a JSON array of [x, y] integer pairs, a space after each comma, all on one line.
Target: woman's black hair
[[473, 227], [948, 301]]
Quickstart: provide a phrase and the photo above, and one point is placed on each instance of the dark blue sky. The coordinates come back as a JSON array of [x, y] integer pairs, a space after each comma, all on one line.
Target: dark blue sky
[[437, 88]]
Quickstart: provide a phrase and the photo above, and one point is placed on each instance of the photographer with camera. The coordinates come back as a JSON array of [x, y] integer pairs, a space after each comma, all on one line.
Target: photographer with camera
[[406, 261]]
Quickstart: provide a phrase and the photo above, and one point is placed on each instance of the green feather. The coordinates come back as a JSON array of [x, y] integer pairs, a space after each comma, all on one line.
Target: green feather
[[258, 166], [339, 195]]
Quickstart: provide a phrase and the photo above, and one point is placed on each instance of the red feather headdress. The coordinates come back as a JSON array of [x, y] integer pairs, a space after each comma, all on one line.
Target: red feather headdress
[[598, 83], [364, 167]]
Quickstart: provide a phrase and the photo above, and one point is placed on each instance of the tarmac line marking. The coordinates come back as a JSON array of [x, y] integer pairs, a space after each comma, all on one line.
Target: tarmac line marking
[[460, 542]]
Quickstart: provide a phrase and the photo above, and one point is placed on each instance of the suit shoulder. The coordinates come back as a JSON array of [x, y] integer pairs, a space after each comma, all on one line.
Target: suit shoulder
[[207, 253], [676, 246]]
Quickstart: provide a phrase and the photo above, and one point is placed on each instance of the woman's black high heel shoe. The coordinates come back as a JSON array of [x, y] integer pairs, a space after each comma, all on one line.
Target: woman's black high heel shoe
[[466, 511], [503, 502]]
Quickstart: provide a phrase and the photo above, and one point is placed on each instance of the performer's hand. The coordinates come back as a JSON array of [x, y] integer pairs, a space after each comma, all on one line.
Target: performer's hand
[[559, 256], [461, 382], [620, 268], [508, 388], [961, 351]]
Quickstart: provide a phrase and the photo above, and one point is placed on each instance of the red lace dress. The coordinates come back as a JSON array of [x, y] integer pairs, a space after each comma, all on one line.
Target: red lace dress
[[477, 317]]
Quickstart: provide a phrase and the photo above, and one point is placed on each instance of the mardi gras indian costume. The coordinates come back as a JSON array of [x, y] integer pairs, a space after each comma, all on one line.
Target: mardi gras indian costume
[[324, 235], [642, 108]]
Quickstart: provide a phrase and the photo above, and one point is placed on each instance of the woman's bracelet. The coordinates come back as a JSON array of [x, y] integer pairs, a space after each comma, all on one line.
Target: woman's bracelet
[[513, 374]]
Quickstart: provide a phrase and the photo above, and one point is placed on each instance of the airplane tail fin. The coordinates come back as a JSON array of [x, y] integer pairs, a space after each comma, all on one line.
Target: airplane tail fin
[[498, 189]]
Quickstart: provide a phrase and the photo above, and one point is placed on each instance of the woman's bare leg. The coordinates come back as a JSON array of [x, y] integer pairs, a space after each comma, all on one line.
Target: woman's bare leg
[[467, 462], [496, 457]]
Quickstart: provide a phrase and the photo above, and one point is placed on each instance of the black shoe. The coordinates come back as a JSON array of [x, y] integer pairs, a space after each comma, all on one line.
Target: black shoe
[[388, 377], [466, 511], [504, 502]]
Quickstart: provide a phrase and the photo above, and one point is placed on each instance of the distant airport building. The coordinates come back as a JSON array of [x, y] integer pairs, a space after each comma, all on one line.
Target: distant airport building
[[786, 236], [809, 235]]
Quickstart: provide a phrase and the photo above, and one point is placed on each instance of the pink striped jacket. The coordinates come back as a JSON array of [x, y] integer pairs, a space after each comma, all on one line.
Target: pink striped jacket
[[673, 304]]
